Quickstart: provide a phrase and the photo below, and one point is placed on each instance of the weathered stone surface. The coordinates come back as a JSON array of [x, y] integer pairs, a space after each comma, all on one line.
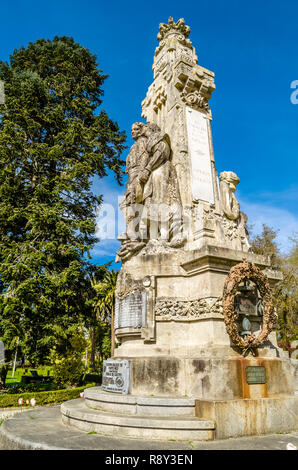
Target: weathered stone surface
[[97, 398], [76, 413], [184, 232], [294, 364], [199, 151], [211, 375], [235, 418], [173, 195], [184, 310], [196, 232]]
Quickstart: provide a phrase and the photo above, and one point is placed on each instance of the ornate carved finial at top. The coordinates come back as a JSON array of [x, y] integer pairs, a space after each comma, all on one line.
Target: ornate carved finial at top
[[172, 27]]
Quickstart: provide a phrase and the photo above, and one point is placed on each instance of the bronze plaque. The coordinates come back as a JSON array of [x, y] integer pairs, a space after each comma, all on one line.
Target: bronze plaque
[[255, 374]]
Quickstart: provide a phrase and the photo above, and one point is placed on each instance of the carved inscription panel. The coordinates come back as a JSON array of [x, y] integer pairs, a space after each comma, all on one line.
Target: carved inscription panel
[[130, 311], [199, 150]]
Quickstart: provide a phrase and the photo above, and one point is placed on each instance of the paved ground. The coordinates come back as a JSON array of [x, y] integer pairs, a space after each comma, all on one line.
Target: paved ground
[[42, 429]]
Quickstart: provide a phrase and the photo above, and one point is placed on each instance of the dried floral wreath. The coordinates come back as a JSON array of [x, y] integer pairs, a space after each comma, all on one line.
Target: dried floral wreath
[[237, 274]]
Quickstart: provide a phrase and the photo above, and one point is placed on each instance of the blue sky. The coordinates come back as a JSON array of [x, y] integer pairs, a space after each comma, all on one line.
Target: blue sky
[[251, 46]]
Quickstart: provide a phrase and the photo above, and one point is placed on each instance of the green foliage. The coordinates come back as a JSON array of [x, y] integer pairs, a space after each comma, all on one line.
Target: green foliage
[[3, 373], [104, 305], [42, 398], [265, 244], [53, 142], [30, 387], [286, 296], [103, 341], [105, 295], [23, 376], [285, 293], [92, 378], [102, 302], [68, 370], [66, 358]]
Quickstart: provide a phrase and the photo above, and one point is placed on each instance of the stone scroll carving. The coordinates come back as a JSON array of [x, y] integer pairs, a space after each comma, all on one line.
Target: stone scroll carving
[[152, 200]]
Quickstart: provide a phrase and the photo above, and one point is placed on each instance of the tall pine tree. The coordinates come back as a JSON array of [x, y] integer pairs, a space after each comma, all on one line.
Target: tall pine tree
[[53, 141]]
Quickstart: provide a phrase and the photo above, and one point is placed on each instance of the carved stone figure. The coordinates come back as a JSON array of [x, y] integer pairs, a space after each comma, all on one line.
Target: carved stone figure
[[229, 204], [135, 162], [152, 201], [161, 196]]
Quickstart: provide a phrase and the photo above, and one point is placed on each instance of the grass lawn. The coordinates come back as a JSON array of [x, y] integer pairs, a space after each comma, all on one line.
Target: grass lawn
[[45, 371]]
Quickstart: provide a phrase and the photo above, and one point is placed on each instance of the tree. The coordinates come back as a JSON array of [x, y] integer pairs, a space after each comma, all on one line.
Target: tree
[[105, 301], [53, 141], [286, 297], [285, 293], [265, 244], [66, 356], [97, 327]]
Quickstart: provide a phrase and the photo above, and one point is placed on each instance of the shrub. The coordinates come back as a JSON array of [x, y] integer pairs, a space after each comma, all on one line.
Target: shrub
[[67, 362], [30, 387], [68, 371], [43, 398], [92, 378]]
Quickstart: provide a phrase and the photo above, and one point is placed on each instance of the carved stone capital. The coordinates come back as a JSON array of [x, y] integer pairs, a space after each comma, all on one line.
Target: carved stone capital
[[195, 100], [173, 28]]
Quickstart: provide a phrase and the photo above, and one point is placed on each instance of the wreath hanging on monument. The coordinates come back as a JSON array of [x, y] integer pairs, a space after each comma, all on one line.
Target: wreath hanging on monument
[[241, 272]]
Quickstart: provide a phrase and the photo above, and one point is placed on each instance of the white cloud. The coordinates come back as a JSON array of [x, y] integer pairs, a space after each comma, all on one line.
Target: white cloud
[[106, 248], [278, 218], [273, 209]]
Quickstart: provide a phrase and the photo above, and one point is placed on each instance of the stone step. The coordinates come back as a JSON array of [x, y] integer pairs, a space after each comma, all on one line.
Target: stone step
[[99, 399], [181, 428]]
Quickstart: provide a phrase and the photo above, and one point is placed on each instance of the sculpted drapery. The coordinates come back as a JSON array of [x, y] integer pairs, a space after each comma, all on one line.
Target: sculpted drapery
[[152, 194]]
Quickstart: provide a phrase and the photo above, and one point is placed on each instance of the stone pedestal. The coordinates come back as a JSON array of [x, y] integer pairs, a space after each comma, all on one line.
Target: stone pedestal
[[183, 348]]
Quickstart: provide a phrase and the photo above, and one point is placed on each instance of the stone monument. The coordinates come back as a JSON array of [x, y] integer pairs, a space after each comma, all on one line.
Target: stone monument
[[194, 317]]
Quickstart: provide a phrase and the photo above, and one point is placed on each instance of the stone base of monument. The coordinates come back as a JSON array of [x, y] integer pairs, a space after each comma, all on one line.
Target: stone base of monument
[[137, 416], [211, 377], [180, 418], [176, 374], [250, 417]]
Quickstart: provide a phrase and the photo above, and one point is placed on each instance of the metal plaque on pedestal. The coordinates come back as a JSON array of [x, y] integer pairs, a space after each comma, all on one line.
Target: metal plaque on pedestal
[[116, 376]]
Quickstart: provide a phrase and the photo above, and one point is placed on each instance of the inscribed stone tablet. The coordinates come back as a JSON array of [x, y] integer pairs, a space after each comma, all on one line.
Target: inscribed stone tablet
[[116, 376], [131, 310], [199, 150]]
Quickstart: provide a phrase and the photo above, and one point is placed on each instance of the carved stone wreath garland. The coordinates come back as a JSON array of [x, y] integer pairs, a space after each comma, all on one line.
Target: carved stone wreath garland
[[237, 274]]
